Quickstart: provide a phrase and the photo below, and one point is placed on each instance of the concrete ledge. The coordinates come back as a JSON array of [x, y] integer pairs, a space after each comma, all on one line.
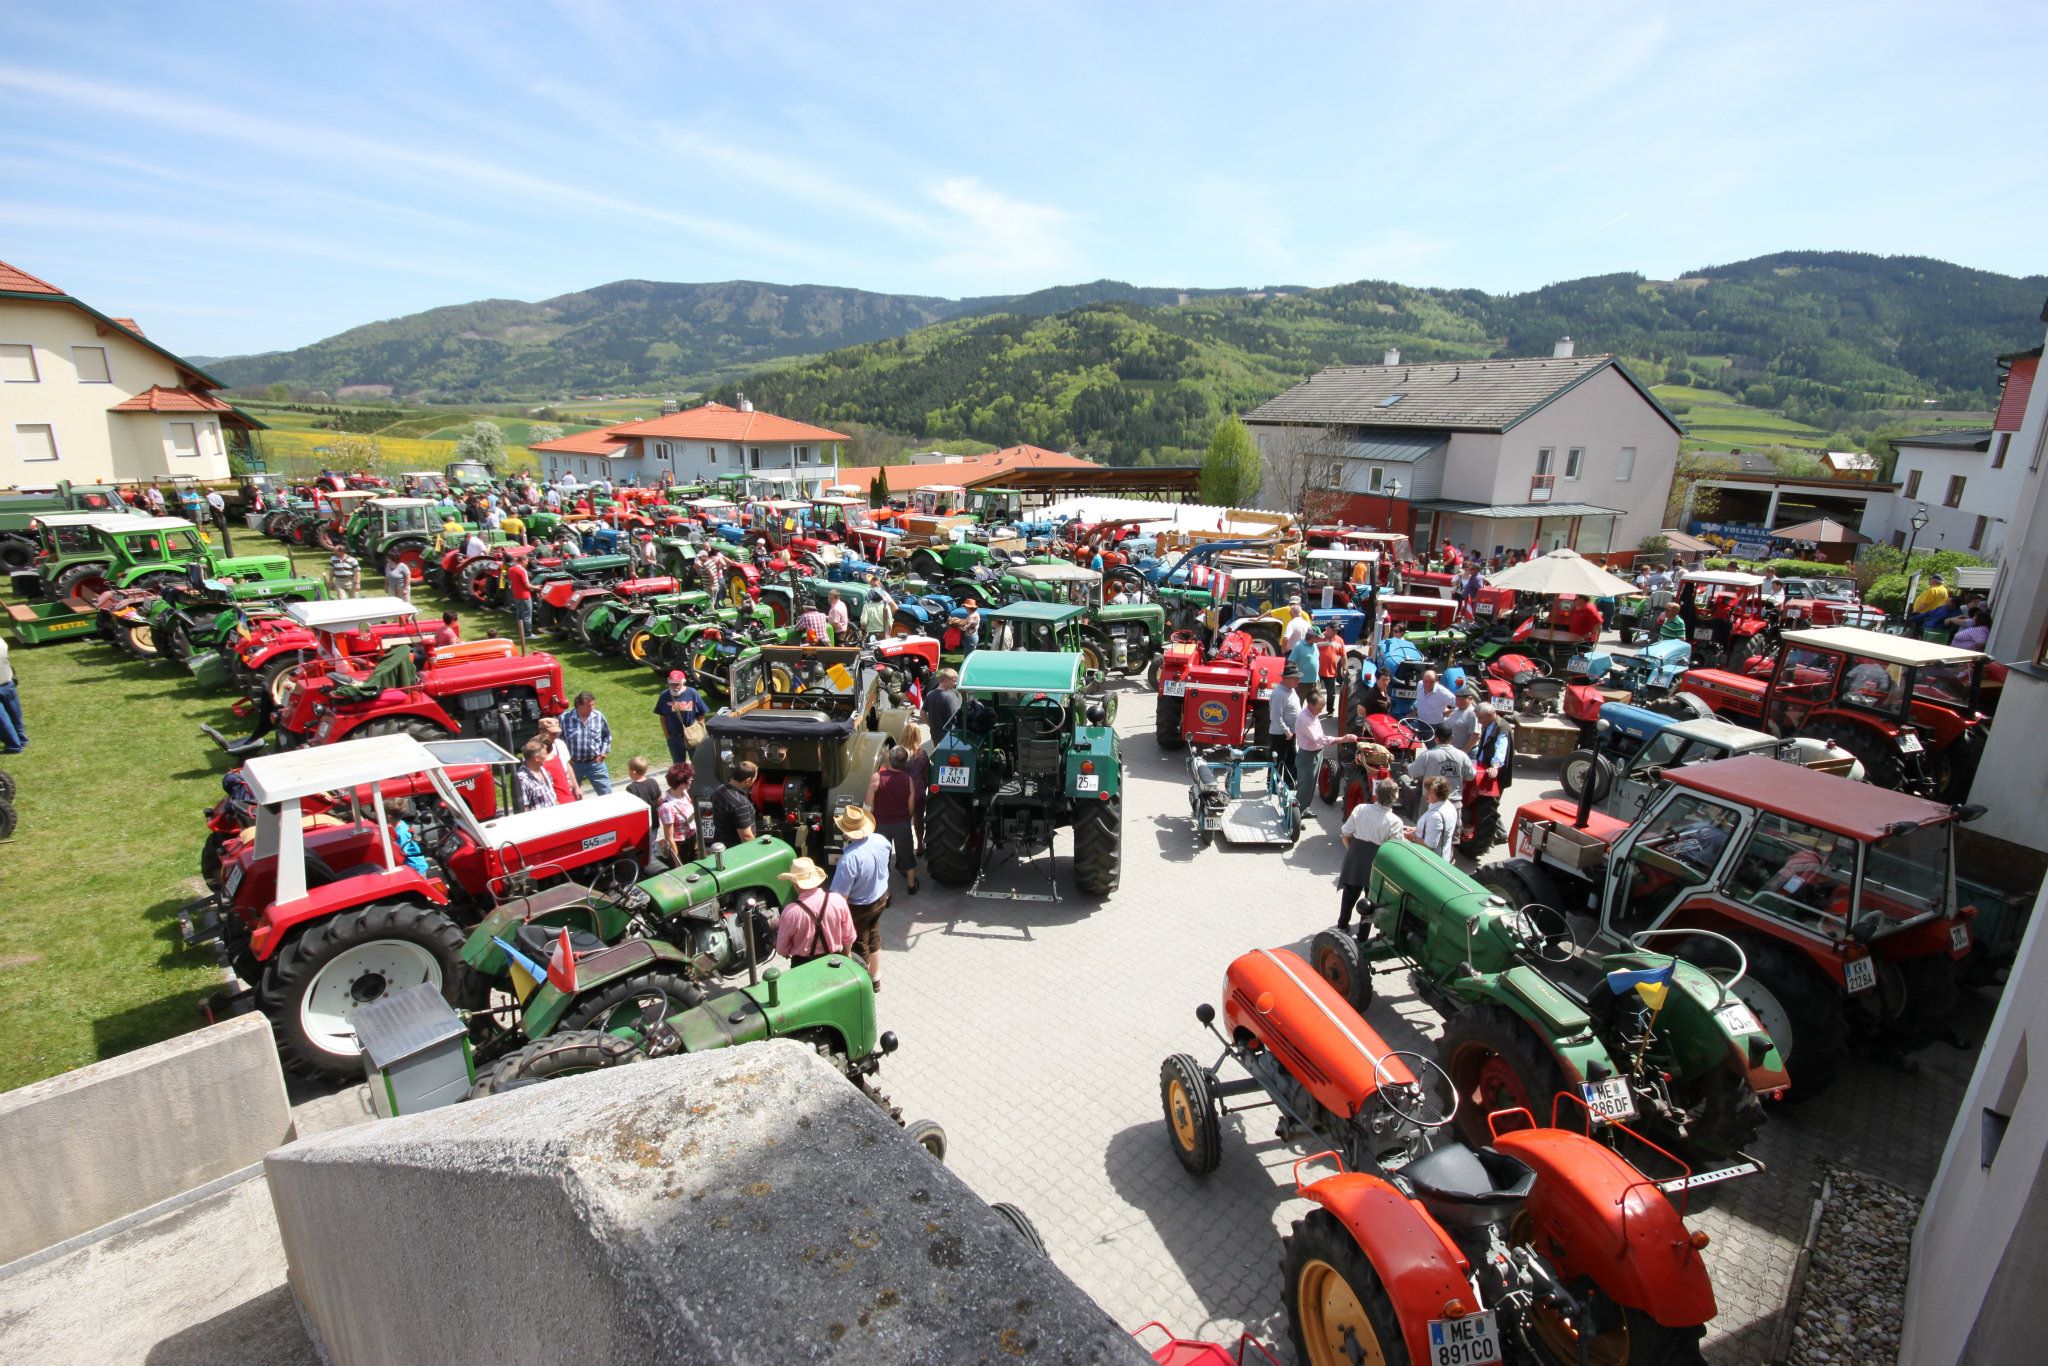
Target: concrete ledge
[[118, 1136], [741, 1206]]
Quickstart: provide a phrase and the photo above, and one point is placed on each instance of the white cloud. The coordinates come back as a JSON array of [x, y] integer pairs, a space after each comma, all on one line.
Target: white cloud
[[1000, 242]]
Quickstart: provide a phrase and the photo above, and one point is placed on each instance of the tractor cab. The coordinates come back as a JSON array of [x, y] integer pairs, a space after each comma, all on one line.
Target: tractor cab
[[1036, 626], [838, 516], [393, 517], [467, 473], [1726, 613], [938, 500], [1073, 584], [1253, 591], [425, 483], [1331, 577]]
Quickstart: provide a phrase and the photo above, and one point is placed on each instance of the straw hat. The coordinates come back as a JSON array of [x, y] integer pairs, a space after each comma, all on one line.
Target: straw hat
[[804, 873], [854, 821]]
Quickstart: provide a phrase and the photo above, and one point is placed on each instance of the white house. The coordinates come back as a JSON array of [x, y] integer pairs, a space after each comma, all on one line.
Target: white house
[[87, 398], [698, 445], [1969, 481], [1551, 451]]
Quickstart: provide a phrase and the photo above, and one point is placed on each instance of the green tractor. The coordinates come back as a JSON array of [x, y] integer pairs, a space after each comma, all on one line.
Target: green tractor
[[1029, 753], [139, 552], [1130, 637], [381, 527], [1531, 1014], [186, 623]]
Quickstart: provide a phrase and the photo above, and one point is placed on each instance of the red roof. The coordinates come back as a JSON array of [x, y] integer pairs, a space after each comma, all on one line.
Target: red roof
[[13, 281], [967, 472], [2019, 382], [130, 324], [157, 399], [718, 422], [598, 442]]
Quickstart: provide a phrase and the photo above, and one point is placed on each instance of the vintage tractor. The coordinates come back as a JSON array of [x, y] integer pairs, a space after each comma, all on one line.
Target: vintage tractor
[[1907, 709], [188, 621], [379, 528], [137, 552], [1543, 1245], [815, 721], [1840, 895], [1216, 695], [320, 915], [1531, 1013], [1633, 748], [1128, 636], [1030, 752], [1727, 617]]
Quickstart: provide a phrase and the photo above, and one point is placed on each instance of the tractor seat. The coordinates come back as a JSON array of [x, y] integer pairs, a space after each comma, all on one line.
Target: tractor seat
[[319, 873], [1466, 1186], [1543, 690], [538, 941]]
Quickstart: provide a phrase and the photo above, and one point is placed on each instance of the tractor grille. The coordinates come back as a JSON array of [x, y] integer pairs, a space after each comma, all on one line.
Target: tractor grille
[[1036, 757]]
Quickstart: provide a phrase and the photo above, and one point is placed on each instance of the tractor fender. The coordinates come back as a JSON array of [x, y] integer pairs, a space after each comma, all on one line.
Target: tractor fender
[[1415, 1260], [283, 919], [1597, 1216], [1698, 1039], [544, 1010], [1563, 1028], [391, 704]]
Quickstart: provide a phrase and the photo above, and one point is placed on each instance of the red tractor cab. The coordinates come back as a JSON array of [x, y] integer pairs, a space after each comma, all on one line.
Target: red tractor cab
[[1908, 710], [1418, 612], [324, 914], [1727, 617], [1334, 577], [270, 651], [1839, 895]]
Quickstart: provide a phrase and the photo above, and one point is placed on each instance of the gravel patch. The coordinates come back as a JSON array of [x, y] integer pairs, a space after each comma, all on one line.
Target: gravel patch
[[1852, 1306]]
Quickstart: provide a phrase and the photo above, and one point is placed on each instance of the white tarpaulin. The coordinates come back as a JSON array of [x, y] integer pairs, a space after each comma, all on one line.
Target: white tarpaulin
[[1561, 573]]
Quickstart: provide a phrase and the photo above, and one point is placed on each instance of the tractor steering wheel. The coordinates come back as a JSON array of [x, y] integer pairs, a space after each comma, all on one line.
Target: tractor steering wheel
[[1049, 704], [1423, 733], [1413, 1104], [1546, 931]]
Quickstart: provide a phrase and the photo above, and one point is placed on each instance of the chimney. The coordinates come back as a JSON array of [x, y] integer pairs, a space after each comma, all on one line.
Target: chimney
[[1393, 356], [746, 404], [1563, 349]]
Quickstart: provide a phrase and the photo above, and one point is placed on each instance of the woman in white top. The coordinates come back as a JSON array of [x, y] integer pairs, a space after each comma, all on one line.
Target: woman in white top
[[1369, 825], [1437, 830]]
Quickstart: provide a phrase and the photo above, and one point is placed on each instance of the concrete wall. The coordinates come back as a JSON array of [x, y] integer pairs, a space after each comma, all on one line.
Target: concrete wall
[[1984, 1221], [746, 1205], [93, 445], [1604, 415], [86, 1148]]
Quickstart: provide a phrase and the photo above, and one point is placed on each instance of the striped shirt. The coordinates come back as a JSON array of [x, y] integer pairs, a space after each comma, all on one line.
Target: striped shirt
[[586, 738]]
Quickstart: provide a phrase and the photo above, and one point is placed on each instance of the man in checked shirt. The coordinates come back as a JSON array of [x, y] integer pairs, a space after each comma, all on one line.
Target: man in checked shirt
[[589, 739]]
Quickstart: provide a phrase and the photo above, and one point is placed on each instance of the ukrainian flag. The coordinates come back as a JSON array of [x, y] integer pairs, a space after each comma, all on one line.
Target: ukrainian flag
[[527, 975], [1649, 983]]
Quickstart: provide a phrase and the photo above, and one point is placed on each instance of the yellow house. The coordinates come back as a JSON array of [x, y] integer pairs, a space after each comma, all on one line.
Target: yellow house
[[86, 397]]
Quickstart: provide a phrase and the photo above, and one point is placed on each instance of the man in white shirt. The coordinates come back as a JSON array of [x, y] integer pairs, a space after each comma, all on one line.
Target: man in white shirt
[[1282, 709], [1444, 760], [1433, 701], [474, 547], [1463, 720]]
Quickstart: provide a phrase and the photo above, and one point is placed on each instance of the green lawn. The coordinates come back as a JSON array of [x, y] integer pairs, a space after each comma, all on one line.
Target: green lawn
[[112, 790]]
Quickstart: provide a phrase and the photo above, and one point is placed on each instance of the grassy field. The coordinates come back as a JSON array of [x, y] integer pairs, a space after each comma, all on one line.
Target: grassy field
[[111, 793], [1716, 422]]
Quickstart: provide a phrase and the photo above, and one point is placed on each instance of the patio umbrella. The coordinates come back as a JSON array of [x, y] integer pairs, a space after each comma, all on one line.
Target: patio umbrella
[[1562, 573]]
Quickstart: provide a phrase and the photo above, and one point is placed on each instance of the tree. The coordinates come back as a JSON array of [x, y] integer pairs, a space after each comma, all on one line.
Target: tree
[[878, 490], [1303, 473], [484, 441], [351, 454], [280, 392], [1230, 467], [542, 431]]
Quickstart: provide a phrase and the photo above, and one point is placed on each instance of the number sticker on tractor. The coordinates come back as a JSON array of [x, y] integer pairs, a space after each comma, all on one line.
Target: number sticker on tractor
[[1462, 1342], [1860, 974], [956, 777], [1703, 633], [1087, 782], [1173, 687], [1739, 1019], [1958, 937], [1909, 743], [600, 841], [1609, 1100], [234, 881]]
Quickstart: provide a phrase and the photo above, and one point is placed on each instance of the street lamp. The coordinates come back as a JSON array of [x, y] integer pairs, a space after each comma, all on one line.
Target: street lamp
[[1392, 492], [1918, 523]]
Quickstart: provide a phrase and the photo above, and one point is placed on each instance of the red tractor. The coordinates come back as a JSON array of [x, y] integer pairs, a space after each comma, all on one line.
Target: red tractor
[[1726, 615], [322, 914], [1906, 709], [1219, 697], [270, 648], [1545, 1245]]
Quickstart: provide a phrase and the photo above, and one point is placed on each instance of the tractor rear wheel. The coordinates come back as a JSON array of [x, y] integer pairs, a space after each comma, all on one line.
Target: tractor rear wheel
[[1684, 706], [1098, 846], [579, 626], [7, 820], [929, 1135], [6, 786], [927, 565], [636, 1003], [1519, 882], [640, 647], [1877, 752], [1483, 830], [1338, 961], [1338, 1309], [1801, 1010], [1495, 1063], [1194, 1121], [77, 586], [567, 1054], [1326, 780], [210, 859], [1152, 669], [1583, 766], [1731, 1116], [953, 840], [350, 960], [1166, 724], [276, 675]]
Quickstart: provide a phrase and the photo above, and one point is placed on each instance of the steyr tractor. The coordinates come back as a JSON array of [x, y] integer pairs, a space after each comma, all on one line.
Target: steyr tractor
[[1907, 709], [1530, 1012], [1129, 636], [1727, 617], [323, 916], [1218, 695], [1030, 752], [1840, 896], [1634, 747], [140, 552], [1541, 1245]]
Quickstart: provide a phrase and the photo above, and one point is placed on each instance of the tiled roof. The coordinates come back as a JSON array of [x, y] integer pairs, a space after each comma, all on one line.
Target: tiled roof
[[157, 399], [2019, 382], [599, 442], [130, 324], [1461, 396], [14, 281], [718, 422], [965, 473]]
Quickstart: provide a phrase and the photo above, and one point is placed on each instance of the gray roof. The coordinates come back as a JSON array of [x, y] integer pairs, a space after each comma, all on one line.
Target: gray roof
[[1976, 439], [1404, 448], [1505, 512], [1461, 396]]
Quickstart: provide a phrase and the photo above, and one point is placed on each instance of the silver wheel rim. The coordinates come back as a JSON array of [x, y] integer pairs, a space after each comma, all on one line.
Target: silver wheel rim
[[353, 978], [1769, 1011]]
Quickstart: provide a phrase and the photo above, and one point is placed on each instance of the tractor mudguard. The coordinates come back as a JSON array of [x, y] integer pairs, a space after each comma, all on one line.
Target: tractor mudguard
[[1094, 746], [389, 705], [1557, 1020], [592, 917], [753, 865], [1694, 1038], [210, 669], [543, 1011], [1595, 1215], [833, 993], [1415, 1260], [402, 884]]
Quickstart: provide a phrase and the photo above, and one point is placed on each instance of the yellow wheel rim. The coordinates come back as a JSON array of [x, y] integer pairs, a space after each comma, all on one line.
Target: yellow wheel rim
[[1182, 1115], [1332, 1319], [781, 680], [636, 648]]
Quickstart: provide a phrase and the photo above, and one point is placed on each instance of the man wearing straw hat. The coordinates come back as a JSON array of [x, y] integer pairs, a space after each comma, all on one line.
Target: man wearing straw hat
[[862, 877], [816, 922]]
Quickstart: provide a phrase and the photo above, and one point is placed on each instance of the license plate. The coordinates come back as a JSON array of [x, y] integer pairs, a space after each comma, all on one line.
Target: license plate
[[1739, 1019], [1265, 693], [1860, 974], [234, 881], [1609, 1100], [1704, 633], [1088, 782], [1958, 935], [1460, 1342], [1909, 743], [956, 777], [1173, 687]]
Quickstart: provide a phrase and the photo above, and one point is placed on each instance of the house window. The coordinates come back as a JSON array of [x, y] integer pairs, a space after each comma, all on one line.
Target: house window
[[1373, 478], [17, 363], [183, 438], [1898, 540], [583, 468], [1913, 483], [803, 455], [1954, 497], [755, 458], [1977, 536], [36, 441], [91, 364], [1574, 461], [1998, 445], [1543, 460], [1625, 467], [711, 455]]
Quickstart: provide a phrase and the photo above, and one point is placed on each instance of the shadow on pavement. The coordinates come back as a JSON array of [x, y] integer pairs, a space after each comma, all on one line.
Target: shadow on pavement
[[264, 1329]]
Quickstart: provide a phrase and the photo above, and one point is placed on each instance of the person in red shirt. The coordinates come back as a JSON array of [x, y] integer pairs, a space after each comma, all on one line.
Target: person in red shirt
[[449, 631], [1330, 665], [1585, 621], [520, 586], [560, 774]]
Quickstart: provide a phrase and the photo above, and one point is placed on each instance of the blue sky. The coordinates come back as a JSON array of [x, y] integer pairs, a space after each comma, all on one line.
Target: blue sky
[[246, 177]]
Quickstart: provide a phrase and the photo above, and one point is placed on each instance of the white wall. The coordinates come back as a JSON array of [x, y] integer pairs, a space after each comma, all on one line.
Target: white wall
[[1603, 415], [1987, 492]]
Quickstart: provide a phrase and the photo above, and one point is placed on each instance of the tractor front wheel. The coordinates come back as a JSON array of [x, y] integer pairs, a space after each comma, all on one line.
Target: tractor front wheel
[[1338, 1309], [1098, 846], [1152, 669], [1582, 767], [952, 840], [1326, 780], [79, 585], [138, 640], [567, 1054], [1801, 1010], [1496, 1063], [348, 961], [1519, 882], [1194, 1123], [210, 860], [1338, 961], [1166, 724], [418, 729], [640, 647]]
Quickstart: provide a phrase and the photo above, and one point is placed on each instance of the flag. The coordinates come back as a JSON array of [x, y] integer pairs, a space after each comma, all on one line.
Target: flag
[[562, 966], [526, 974], [1649, 983]]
